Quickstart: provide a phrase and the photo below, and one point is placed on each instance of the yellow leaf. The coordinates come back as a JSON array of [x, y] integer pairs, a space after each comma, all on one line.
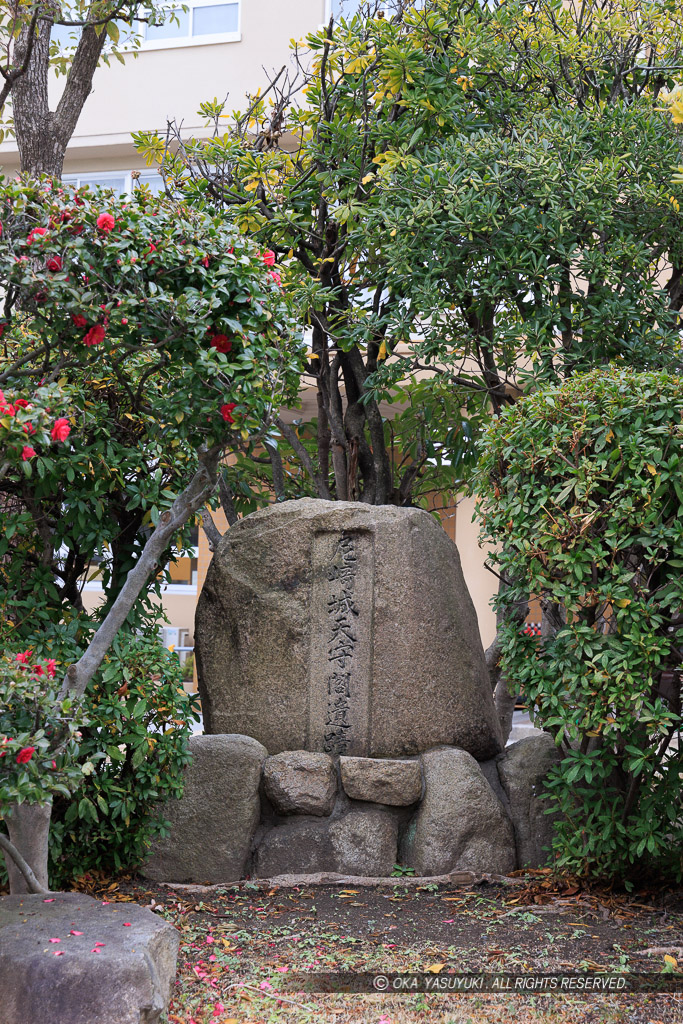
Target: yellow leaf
[[624, 603], [610, 435], [348, 892], [382, 354], [435, 968], [179, 417], [671, 960], [367, 178], [392, 233], [651, 469]]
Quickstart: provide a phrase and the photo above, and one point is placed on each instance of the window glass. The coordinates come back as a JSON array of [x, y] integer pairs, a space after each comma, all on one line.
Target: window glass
[[345, 8], [153, 181], [215, 18], [175, 28], [117, 183]]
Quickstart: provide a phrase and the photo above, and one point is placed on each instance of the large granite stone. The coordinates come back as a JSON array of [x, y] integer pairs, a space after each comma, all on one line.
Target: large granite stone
[[381, 780], [460, 824], [362, 842], [213, 823], [109, 971], [522, 770], [300, 782], [345, 628]]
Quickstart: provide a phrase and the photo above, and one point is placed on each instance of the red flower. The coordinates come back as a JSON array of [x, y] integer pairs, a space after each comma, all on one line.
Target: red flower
[[21, 403], [220, 342], [61, 429], [25, 755], [152, 248], [79, 320], [3, 325], [50, 666], [7, 410], [95, 335], [276, 277], [55, 263], [268, 257], [24, 658], [105, 222], [35, 234], [27, 452], [226, 411], [205, 261], [54, 764], [29, 428]]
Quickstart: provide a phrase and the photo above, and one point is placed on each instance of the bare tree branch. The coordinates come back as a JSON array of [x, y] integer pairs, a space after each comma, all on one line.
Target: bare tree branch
[[11, 851], [213, 534]]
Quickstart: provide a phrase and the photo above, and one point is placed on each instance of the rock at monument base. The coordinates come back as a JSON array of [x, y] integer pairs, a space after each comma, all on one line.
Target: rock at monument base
[[359, 843], [522, 769], [300, 782], [213, 823], [381, 781], [127, 982], [344, 628], [460, 824], [364, 842]]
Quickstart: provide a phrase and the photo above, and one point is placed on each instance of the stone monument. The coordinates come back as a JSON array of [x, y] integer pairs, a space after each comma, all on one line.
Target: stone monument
[[346, 629]]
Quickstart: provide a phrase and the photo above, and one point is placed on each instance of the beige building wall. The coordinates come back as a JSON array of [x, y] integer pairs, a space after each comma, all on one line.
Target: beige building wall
[[170, 81]]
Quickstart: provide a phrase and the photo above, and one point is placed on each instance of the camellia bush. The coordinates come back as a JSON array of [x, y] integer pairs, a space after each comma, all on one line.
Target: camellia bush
[[140, 346], [581, 495]]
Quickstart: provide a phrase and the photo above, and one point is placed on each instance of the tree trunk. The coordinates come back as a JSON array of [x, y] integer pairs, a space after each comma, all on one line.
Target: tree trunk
[[29, 828]]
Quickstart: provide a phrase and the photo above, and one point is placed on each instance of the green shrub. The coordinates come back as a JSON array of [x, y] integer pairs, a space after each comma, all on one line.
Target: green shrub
[[581, 492], [132, 755]]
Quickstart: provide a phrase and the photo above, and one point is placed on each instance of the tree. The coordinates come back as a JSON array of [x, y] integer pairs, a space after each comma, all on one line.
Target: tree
[[30, 54], [594, 464], [300, 178], [165, 336]]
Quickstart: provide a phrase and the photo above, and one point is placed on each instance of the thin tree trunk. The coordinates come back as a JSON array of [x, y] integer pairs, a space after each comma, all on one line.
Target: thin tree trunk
[[26, 851]]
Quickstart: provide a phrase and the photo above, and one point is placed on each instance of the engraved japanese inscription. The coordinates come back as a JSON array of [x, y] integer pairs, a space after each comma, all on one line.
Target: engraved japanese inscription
[[339, 684]]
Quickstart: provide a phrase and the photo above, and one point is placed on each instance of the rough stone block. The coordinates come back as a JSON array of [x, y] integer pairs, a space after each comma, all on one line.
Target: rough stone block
[[300, 782], [460, 824], [362, 842], [127, 981], [522, 769], [381, 781], [213, 823], [344, 628]]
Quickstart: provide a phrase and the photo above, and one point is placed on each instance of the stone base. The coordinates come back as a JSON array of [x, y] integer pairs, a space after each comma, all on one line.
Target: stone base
[[101, 969], [438, 813]]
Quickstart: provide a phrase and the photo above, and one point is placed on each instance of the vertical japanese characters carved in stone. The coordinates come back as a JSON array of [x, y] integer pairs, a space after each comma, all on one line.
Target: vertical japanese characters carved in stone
[[341, 632]]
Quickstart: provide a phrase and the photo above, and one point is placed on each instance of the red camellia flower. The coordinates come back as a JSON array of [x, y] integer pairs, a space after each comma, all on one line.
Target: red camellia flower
[[205, 261], [35, 234], [7, 410], [24, 657], [29, 428], [105, 222], [50, 666], [276, 277], [27, 452], [21, 403], [226, 411], [55, 263], [95, 335], [61, 429], [79, 320], [268, 258], [25, 755], [220, 342]]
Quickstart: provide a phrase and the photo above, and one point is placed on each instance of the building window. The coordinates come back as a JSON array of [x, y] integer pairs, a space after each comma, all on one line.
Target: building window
[[203, 21], [120, 182]]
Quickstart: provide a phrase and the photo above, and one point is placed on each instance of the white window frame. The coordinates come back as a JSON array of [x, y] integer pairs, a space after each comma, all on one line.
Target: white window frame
[[190, 40], [83, 177]]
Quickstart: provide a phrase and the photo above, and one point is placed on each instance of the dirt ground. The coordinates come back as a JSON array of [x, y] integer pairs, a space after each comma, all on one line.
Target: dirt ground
[[253, 955]]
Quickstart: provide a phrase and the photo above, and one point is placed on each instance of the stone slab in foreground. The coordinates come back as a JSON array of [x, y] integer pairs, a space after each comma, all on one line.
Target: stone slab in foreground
[[127, 982]]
